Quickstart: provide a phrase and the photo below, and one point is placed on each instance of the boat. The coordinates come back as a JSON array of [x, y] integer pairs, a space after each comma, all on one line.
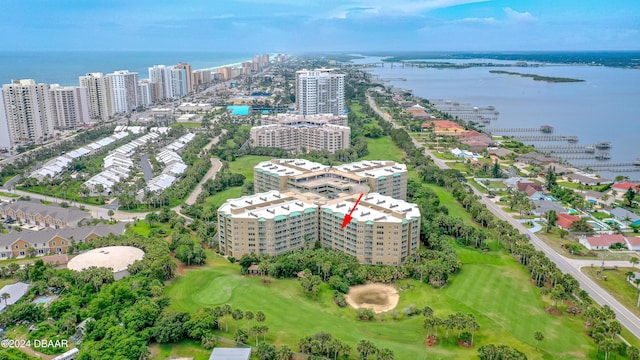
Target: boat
[[572, 138], [603, 156], [603, 145]]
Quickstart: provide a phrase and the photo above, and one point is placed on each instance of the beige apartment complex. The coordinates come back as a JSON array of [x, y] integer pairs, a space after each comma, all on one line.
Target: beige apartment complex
[[384, 177], [266, 223], [299, 202]]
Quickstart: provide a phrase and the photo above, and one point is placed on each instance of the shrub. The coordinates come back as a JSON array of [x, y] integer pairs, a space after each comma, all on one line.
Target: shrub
[[339, 299], [366, 314]]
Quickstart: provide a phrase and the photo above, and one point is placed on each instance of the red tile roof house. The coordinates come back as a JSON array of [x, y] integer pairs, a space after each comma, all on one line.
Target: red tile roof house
[[633, 243], [602, 242], [622, 188], [565, 220]]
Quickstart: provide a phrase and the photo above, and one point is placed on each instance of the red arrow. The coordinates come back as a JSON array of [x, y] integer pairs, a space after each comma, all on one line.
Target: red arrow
[[347, 217]]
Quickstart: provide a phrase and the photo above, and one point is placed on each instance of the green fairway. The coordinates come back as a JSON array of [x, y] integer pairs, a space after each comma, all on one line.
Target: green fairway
[[384, 149], [492, 286], [244, 165], [446, 198], [185, 347], [218, 199]]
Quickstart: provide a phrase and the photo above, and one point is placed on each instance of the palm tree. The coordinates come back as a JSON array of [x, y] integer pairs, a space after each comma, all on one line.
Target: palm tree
[[630, 275], [366, 348], [5, 297], [237, 315], [249, 316], [539, 337], [634, 261], [284, 353], [240, 336]]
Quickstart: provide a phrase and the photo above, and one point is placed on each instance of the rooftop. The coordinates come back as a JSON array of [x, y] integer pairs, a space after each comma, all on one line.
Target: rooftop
[[267, 205], [376, 208]]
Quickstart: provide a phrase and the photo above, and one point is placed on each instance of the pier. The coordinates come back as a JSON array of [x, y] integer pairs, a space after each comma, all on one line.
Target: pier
[[570, 138], [635, 164], [566, 149], [578, 156], [546, 129]]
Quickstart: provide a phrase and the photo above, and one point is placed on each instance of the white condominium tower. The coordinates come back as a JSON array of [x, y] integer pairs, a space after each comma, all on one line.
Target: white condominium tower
[[69, 106], [124, 86], [319, 91], [27, 112], [101, 105], [161, 75]]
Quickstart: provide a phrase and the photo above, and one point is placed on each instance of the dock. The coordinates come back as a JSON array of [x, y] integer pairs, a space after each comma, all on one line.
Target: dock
[[570, 138]]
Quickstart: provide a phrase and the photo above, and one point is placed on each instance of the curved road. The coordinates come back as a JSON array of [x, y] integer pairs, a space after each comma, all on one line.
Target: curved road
[[570, 266]]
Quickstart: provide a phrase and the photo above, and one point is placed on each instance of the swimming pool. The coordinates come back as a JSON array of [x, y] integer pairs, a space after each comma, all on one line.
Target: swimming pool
[[597, 225], [614, 221], [572, 211]]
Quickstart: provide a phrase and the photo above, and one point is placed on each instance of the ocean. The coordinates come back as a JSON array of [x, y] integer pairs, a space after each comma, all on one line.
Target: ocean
[[605, 107], [64, 67]]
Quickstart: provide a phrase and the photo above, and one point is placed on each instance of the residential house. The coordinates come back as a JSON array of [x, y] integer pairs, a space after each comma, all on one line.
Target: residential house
[[626, 216], [602, 242], [544, 206], [565, 221], [476, 141], [444, 127], [633, 243], [586, 180], [512, 182], [534, 158], [52, 241], [500, 152], [533, 190], [599, 198], [621, 188], [36, 213], [16, 292]]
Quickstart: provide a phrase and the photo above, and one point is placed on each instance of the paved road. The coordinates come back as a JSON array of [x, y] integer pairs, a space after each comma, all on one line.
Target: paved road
[[145, 165], [216, 164], [570, 266]]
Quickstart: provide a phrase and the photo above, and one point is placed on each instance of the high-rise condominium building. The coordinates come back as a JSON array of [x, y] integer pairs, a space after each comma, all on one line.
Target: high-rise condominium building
[[145, 97], [27, 112], [124, 87], [69, 106], [101, 106], [188, 75], [297, 133], [161, 75], [179, 82], [319, 91]]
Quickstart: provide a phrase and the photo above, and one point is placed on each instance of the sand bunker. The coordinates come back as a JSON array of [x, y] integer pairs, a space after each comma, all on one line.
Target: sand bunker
[[377, 297]]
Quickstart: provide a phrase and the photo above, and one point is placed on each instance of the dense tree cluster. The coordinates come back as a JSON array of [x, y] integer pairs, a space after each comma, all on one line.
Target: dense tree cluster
[[500, 352]]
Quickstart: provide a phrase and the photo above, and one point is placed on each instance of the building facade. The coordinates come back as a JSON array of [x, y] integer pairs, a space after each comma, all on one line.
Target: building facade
[[101, 106], [302, 138], [161, 75], [320, 91], [69, 106], [124, 87], [188, 74], [266, 223], [27, 111], [385, 177], [383, 230], [145, 97]]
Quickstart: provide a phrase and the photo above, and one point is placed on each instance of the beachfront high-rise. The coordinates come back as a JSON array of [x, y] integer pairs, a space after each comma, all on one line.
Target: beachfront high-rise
[[319, 91], [27, 112], [161, 75], [299, 202], [124, 87], [188, 73], [101, 105], [179, 81], [69, 106]]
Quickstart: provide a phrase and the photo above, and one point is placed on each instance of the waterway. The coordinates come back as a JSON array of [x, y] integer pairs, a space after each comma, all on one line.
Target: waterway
[[605, 107]]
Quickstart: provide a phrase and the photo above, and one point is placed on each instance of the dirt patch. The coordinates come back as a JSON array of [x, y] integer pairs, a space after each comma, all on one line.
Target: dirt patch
[[553, 311], [377, 297], [465, 344], [431, 340]]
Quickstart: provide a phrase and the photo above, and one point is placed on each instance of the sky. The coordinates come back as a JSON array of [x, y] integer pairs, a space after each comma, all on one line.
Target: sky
[[296, 26]]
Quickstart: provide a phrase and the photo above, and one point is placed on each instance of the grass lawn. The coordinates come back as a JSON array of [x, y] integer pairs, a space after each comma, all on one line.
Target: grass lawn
[[6, 281], [143, 228], [2, 193], [384, 149], [447, 199], [218, 199], [72, 193], [184, 348], [244, 165], [600, 215], [617, 285], [492, 286], [187, 124]]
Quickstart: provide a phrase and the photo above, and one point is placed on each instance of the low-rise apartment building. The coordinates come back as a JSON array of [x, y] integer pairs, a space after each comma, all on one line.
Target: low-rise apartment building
[[48, 216], [52, 241]]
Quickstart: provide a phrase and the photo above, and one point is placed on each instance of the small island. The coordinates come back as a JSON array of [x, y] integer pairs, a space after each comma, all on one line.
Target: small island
[[537, 77]]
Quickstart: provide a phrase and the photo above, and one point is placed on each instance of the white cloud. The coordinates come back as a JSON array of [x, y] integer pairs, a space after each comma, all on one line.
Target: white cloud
[[393, 8], [487, 20], [521, 17]]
